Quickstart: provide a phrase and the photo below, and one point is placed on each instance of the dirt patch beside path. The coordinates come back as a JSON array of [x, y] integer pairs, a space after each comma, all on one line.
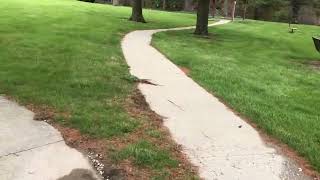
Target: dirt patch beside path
[[185, 70], [99, 150]]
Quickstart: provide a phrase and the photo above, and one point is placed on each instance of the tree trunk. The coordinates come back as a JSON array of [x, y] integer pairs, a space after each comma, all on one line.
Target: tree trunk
[[213, 8], [115, 2], [223, 8], [137, 11], [295, 10], [188, 5], [164, 5], [244, 10], [233, 9], [202, 17], [230, 8]]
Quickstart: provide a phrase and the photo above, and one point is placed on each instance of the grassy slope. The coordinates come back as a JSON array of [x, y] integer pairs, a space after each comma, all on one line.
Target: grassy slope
[[260, 70], [66, 54]]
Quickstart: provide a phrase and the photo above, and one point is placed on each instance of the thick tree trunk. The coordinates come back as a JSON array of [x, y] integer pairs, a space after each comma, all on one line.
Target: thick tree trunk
[[233, 9], [137, 11], [213, 8], [202, 17], [164, 5]]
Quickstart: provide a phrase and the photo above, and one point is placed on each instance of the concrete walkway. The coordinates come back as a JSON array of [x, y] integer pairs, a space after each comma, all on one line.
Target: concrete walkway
[[33, 150], [208, 131]]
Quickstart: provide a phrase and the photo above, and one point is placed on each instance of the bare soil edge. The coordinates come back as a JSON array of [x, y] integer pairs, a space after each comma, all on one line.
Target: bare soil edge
[[102, 148]]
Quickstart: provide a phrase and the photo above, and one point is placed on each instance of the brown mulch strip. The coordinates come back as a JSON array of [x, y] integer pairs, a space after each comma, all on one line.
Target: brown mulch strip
[[138, 108]]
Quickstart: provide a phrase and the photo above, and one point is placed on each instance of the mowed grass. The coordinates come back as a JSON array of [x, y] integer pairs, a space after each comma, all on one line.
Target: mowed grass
[[145, 154], [261, 71], [67, 54]]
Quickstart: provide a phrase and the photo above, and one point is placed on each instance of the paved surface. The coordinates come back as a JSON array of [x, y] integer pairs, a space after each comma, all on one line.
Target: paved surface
[[33, 150], [208, 131]]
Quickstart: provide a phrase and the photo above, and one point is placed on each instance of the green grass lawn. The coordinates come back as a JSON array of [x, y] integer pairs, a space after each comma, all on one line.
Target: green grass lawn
[[66, 54], [261, 71]]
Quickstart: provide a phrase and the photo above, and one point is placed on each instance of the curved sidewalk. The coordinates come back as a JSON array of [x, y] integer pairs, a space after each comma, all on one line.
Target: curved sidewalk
[[34, 150], [207, 130]]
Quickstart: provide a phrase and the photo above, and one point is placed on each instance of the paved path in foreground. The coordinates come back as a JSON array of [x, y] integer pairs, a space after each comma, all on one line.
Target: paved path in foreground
[[208, 131], [34, 150]]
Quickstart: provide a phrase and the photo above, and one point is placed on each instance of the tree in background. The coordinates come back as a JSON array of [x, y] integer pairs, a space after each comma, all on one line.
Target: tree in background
[[293, 11], [316, 6], [202, 17], [137, 11], [115, 2], [295, 4], [188, 5], [213, 8], [224, 10], [227, 7], [164, 4], [245, 4], [174, 5], [233, 9]]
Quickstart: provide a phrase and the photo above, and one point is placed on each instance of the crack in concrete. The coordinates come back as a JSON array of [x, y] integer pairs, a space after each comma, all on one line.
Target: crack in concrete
[[176, 105], [237, 155], [17, 152], [206, 136]]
